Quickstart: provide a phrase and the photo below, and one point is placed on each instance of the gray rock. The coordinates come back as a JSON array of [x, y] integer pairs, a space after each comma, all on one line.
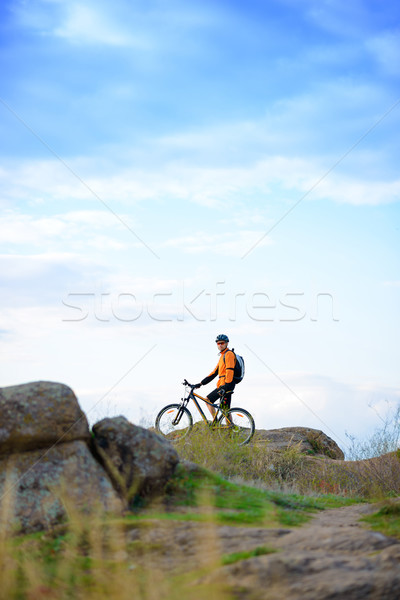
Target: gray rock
[[138, 461], [39, 414], [331, 558], [40, 488], [309, 441], [311, 576]]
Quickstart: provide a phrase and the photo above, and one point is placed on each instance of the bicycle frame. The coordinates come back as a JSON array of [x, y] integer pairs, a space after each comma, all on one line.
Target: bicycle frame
[[175, 421], [192, 396]]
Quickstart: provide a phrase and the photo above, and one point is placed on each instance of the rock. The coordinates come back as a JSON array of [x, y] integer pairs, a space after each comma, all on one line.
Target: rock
[[138, 461], [181, 547], [40, 488], [309, 441], [310, 576], [39, 414], [331, 558]]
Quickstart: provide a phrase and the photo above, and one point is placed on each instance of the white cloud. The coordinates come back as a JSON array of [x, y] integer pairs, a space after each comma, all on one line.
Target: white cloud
[[227, 244], [386, 50], [120, 24], [42, 279], [340, 17], [277, 181], [24, 229], [358, 192], [37, 180], [88, 24], [83, 22], [83, 229]]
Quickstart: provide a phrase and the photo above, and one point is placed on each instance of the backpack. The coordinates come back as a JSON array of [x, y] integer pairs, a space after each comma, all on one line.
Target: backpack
[[238, 373]]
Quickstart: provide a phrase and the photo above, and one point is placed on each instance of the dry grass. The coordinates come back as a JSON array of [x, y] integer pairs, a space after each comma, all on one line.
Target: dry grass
[[94, 558], [290, 470], [145, 555], [384, 440], [374, 478], [253, 463]]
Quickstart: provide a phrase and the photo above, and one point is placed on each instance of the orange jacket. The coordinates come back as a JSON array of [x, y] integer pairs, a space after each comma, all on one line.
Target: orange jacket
[[224, 369]]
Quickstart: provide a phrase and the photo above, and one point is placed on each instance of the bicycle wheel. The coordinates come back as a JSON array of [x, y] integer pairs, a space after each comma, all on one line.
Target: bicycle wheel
[[174, 422], [238, 426]]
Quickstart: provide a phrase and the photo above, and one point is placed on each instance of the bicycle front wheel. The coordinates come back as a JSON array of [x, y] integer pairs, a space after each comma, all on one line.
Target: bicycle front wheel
[[238, 425], [174, 422]]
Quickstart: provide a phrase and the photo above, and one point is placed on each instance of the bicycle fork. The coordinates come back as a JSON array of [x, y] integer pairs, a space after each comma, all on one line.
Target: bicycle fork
[[180, 411]]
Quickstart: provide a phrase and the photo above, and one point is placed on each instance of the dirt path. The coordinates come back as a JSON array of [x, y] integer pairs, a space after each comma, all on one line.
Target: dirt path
[[346, 516], [338, 525], [333, 557]]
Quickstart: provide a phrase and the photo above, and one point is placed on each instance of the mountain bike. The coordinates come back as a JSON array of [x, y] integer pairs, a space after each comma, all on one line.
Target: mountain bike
[[175, 421]]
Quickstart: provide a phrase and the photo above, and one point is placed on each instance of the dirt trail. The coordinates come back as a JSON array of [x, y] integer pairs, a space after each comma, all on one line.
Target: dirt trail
[[333, 557], [346, 516]]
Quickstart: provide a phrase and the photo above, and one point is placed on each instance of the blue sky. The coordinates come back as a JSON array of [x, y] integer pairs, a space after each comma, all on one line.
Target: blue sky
[[170, 171]]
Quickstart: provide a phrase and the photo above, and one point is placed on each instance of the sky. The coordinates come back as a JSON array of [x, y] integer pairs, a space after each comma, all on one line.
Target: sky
[[170, 171]]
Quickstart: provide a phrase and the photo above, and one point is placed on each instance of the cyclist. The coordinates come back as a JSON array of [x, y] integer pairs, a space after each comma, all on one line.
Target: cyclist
[[224, 370]]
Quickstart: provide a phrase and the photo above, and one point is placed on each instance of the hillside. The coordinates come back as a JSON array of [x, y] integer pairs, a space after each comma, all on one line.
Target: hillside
[[119, 512]]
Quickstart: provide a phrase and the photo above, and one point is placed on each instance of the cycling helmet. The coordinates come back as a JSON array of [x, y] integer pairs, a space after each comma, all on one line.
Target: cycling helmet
[[222, 338]]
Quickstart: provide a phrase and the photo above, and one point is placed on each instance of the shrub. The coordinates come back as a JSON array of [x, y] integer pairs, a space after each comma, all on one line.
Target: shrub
[[385, 439]]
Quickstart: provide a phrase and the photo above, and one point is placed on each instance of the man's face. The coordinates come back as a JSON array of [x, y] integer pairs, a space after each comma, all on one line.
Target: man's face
[[222, 346]]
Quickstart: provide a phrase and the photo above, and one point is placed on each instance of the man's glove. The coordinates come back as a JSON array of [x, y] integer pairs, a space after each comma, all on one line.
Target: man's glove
[[197, 386]]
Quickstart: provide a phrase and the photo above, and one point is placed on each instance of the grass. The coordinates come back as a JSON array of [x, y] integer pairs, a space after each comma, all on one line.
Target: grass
[[98, 557], [229, 559], [288, 469], [386, 519], [239, 504], [293, 470], [384, 439], [252, 463]]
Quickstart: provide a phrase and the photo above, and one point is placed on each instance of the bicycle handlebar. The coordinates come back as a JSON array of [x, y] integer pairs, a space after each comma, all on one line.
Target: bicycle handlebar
[[191, 385]]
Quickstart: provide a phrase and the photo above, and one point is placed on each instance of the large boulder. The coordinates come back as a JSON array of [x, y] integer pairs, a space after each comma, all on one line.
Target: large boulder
[[138, 461], [308, 441], [41, 488], [38, 415]]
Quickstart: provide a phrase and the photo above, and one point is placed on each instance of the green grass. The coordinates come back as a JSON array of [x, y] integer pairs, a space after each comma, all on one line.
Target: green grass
[[95, 558], [229, 559], [386, 520], [292, 469], [229, 502]]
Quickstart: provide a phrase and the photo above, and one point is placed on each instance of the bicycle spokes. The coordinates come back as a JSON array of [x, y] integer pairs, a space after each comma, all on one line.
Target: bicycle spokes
[[238, 426], [174, 422]]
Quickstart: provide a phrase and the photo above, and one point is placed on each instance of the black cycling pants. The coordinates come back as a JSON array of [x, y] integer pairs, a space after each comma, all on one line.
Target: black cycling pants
[[214, 396]]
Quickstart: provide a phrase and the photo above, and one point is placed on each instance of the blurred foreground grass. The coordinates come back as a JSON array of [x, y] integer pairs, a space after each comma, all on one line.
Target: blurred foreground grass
[[98, 557], [217, 484]]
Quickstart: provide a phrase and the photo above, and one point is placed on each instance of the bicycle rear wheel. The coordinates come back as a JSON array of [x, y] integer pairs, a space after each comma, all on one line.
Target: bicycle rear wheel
[[238, 425], [174, 422]]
